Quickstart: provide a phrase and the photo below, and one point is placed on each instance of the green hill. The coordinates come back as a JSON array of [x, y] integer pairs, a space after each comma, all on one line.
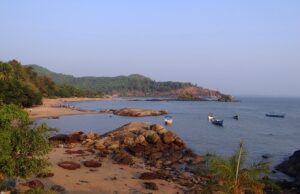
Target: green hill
[[132, 85]]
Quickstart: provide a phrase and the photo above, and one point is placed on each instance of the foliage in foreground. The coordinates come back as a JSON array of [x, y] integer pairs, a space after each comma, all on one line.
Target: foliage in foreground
[[22, 149], [39, 191], [232, 177]]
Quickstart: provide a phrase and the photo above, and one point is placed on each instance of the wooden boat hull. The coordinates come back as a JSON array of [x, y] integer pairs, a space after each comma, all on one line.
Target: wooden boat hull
[[236, 117], [217, 122], [275, 115]]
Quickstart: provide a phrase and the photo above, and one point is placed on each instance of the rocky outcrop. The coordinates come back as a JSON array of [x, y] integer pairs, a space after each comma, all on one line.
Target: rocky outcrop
[[139, 144], [71, 138], [196, 93], [133, 112], [291, 166], [156, 145]]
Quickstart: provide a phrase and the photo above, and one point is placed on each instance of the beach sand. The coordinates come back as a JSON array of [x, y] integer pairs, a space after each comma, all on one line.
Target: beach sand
[[50, 107], [109, 178]]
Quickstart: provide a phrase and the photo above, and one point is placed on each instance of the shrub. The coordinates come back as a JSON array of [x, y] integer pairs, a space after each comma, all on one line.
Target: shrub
[[233, 177], [22, 149]]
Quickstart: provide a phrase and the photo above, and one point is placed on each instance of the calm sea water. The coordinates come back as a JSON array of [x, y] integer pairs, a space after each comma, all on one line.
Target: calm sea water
[[261, 135]]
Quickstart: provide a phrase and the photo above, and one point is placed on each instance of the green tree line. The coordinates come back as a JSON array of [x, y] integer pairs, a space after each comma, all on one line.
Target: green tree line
[[22, 86], [122, 85]]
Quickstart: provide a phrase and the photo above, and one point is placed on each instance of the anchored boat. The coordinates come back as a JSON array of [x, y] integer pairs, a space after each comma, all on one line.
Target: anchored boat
[[168, 120], [236, 117], [210, 117], [275, 115], [217, 122]]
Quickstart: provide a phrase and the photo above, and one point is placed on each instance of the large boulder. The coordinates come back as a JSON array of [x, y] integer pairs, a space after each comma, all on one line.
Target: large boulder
[[114, 145], [74, 137], [69, 165], [169, 137], [140, 139], [101, 144], [159, 129], [291, 166], [128, 141], [92, 164], [151, 137], [71, 138]]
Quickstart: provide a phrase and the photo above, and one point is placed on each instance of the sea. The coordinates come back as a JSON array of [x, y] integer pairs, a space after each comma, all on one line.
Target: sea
[[276, 138]]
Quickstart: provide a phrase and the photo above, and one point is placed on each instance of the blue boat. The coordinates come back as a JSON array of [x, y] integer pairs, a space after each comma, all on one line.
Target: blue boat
[[217, 122], [275, 115]]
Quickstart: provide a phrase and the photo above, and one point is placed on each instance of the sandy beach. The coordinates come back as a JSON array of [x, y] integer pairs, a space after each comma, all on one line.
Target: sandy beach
[[109, 178], [52, 108]]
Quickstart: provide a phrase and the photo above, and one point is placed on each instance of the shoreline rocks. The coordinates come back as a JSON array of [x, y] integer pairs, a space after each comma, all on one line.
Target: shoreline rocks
[[153, 147], [291, 166], [92, 164], [134, 112], [69, 165]]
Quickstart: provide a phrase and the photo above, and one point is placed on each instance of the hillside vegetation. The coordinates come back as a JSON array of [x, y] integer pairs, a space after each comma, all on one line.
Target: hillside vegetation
[[22, 86], [122, 85], [132, 85]]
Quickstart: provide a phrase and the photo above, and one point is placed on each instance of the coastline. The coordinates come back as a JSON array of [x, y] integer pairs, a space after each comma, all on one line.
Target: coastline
[[52, 108]]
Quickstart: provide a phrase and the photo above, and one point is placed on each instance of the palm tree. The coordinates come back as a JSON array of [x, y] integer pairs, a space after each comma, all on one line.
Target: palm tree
[[232, 176]]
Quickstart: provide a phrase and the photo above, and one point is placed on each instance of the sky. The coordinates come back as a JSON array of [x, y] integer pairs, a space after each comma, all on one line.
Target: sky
[[242, 47]]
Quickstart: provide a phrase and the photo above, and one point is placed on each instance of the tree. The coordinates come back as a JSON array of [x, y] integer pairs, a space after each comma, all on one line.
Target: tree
[[234, 178], [22, 149]]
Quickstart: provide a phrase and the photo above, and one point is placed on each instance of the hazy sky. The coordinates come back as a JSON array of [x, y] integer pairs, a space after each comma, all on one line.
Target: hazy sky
[[238, 47]]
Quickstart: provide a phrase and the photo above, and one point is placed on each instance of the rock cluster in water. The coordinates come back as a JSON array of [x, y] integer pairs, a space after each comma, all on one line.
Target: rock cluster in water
[[134, 112]]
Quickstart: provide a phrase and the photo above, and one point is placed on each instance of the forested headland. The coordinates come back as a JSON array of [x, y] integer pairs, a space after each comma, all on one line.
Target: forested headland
[[26, 85], [22, 86]]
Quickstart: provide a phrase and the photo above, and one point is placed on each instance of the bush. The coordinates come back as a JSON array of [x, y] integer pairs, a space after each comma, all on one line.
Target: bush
[[22, 149], [231, 175]]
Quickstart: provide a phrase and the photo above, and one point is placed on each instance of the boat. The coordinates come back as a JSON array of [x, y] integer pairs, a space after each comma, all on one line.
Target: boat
[[236, 117], [168, 120], [210, 117], [275, 115], [217, 122]]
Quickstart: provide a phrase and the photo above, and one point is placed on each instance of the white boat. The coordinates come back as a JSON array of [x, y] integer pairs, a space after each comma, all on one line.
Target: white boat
[[210, 117], [168, 120]]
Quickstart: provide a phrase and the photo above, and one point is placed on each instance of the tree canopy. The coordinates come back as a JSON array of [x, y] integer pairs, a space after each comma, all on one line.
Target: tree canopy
[[22, 86]]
